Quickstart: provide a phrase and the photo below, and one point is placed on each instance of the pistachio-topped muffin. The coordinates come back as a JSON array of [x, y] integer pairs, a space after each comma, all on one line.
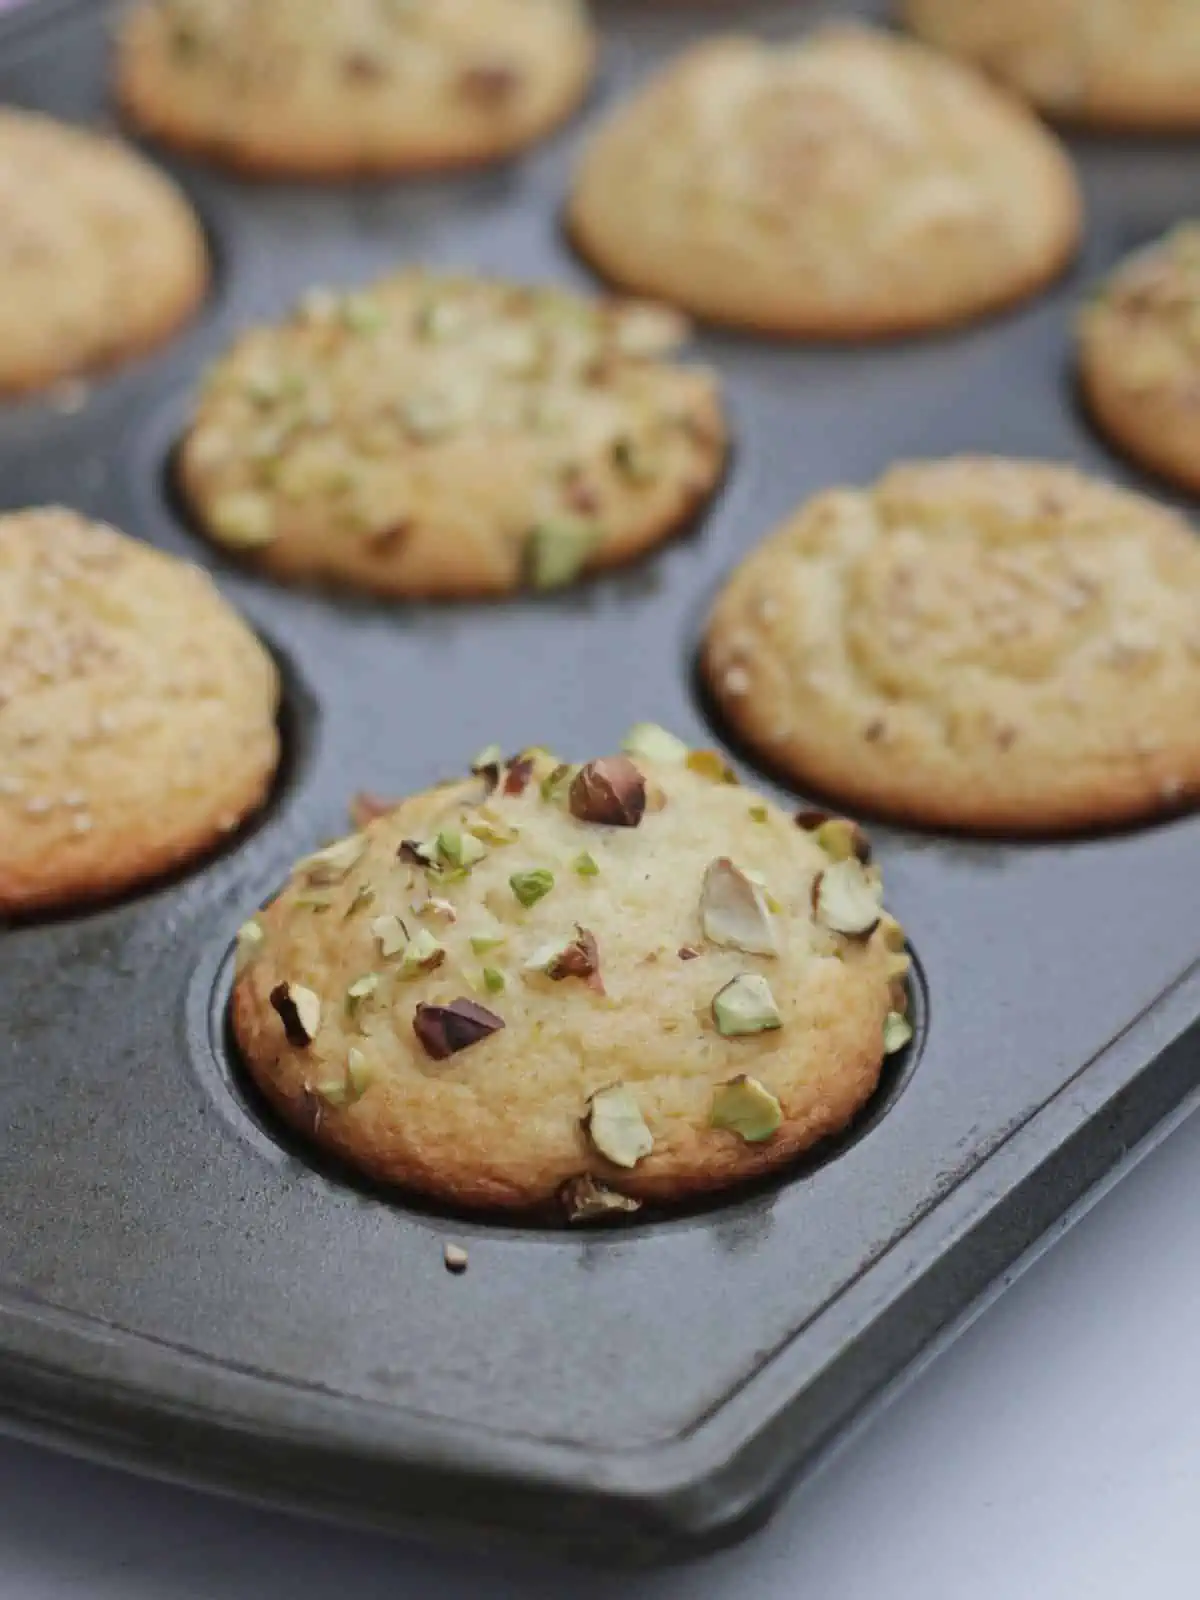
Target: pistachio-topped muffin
[[327, 88], [576, 987], [137, 712], [1139, 356], [1111, 63], [850, 184], [987, 645], [437, 435], [101, 257]]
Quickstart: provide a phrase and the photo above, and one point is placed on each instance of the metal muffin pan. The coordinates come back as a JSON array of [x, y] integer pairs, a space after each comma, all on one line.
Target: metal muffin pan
[[185, 1290]]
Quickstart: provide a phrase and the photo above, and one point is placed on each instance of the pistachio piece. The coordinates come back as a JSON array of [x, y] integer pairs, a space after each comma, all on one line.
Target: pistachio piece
[[843, 840], [312, 900], [364, 896], [847, 899], [243, 519], [573, 958], [250, 942], [490, 828], [445, 1030], [687, 952], [360, 991], [488, 759], [759, 814], [616, 1127], [390, 934], [481, 943], [711, 764], [745, 1107], [583, 1199], [299, 1010], [652, 743], [557, 551], [333, 863], [634, 461], [456, 1259], [460, 849], [733, 910], [810, 818], [494, 980], [360, 1075], [586, 865], [897, 1032], [422, 953], [745, 1006], [531, 886], [610, 791], [418, 853], [554, 781]]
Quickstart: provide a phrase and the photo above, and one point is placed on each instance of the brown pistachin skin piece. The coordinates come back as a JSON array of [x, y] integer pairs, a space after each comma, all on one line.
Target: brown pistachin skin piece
[[610, 791], [520, 770], [445, 1030], [289, 1015], [579, 960]]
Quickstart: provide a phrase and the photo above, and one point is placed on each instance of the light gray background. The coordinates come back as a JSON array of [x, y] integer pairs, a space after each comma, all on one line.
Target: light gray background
[[1052, 1454]]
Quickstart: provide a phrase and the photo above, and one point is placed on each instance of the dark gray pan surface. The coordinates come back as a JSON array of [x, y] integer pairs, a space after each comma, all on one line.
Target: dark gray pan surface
[[179, 1289]]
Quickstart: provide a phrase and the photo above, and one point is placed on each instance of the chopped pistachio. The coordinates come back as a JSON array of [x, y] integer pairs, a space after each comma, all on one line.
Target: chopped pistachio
[[334, 1091], [616, 1127], [745, 1107], [391, 934], [733, 910], [250, 942], [555, 781], [531, 886], [585, 1200], [577, 957], [494, 980], [746, 1006], [359, 1073], [333, 863], [360, 991], [897, 1031], [842, 839], [243, 519], [490, 756], [299, 1010], [481, 943], [364, 896], [489, 827], [759, 813], [652, 743], [418, 852], [711, 764], [557, 551], [435, 907], [586, 865], [846, 899], [456, 1258], [312, 900], [460, 849], [422, 953]]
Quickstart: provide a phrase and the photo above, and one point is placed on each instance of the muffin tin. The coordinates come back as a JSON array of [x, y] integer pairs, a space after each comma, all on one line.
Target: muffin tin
[[185, 1290]]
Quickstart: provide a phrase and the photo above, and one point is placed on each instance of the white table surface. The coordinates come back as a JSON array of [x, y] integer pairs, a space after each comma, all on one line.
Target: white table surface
[[1052, 1454]]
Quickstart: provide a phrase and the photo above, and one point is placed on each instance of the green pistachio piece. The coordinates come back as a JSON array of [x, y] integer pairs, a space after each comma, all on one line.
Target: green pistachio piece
[[360, 991], [460, 849], [586, 865], [489, 827], [734, 911], [556, 781], [743, 1106], [711, 764], [364, 896], [493, 980], [616, 1127], [585, 1200], [842, 840], [847, 898], [897, 1031], [531, 886], [758, 813], [421, 954], [490, 756], [312, 900], [242, 519], [746, 1006], [333, 863], [250, 942], [391, 935], [481, 943], [360, 1075], [557, 551], [652, 743], [633, 461]]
